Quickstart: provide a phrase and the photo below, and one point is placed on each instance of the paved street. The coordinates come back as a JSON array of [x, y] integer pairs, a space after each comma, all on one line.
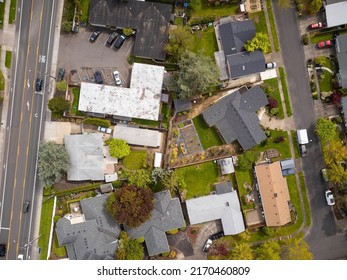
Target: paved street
[[324, 232]]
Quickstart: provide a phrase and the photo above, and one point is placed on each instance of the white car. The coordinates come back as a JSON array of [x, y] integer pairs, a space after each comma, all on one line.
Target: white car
[[104, 129], [207, 245], [271, 65], [329, 197], [117, 79]]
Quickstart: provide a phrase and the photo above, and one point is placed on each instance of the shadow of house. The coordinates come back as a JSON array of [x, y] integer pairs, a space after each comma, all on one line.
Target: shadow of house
[[235, 118], [341, 54], [150, 20]]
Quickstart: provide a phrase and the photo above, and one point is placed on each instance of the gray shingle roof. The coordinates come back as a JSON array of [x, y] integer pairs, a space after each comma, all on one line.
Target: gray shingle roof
[[96, 237], [344, 108], [150, 20], [245, 63], [182, 105], [341, 54], [223, 187], [235, 117]]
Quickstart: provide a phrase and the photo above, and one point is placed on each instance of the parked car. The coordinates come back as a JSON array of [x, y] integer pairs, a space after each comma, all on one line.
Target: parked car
[[3, 249], [61, 74], [207, 245], [98, 77], [26, 206], [111, 38], [303, 150], [316, 25], [325, 44], [94, 36], [38, 85], [116, 76], [324, 174], [120, 41], [217, 235], [329, 197], [270, 65], [104, 129]]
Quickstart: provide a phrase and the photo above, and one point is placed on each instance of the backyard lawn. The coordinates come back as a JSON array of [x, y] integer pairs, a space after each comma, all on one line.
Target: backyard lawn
[[135, 160], [199, 178], [208, 135], [204, 42], [202, 10]]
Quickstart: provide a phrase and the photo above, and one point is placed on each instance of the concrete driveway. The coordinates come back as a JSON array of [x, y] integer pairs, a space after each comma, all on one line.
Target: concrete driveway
[[77, 53]]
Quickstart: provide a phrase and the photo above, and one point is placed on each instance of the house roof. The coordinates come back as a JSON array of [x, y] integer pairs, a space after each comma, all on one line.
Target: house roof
[[86, 157], [245, 63], [335, 13], [182, 105], [138, 136], [344, 108], [93, 238], [224, 207], [226, 166], [341, 54], [233, 36], [287, 166], [235, 117], [141, 100], [150, 20], [274, 194], [105, 188], [98, 232]]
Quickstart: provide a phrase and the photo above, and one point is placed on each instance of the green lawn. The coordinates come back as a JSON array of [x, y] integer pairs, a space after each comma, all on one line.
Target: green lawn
[[285, 92], [135, 160], [295, 143], [204, 42], [146, 122], [273, 25], [8, 59], [2, 12], [166, 114], [74, 107], [45, 226], [85, 10], [325, 78], [199, 178], [208, 135], [57, 250], [276, 94], [323, 36], [305, 198], [2, 81], [201, 10], [12, 15]]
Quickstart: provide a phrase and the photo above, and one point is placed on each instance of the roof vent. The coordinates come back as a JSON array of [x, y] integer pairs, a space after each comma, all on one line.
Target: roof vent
[[227, 204]]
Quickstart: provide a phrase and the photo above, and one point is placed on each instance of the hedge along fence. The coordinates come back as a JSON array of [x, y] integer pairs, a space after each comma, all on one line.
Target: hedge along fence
[[78, 189], [96, 121]]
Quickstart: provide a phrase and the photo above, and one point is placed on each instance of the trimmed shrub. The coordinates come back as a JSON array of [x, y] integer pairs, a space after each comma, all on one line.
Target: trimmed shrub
[[96, 121]]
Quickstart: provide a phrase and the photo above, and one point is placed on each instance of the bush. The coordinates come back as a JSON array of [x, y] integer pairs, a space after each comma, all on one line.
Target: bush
[[305, 39], [274, 111], [279, 139], [315, 95], [96, 121], [272, 103], [66, 26], [173, 231]]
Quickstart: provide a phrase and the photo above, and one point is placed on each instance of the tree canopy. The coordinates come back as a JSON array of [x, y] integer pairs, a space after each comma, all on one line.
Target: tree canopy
[[247, 159], [268, 251], [242, 251], [61, 86], [129, 249], [58, 105], [196, 75], [141, 177], [326, 130], [259, 42], [130, 205], [179, 41], [296, 249], [337, 174], [334, 152], [315, 6], [118, 148], [53, 162]]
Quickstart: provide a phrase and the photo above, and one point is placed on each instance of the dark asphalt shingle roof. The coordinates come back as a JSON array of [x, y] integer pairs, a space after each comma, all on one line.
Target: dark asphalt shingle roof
[[235, 117], [182, 105], [150, 20], [245, 63], [341, 54], [344, 108]]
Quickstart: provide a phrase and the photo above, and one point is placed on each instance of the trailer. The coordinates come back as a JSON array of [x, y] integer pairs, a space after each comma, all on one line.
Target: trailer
[[302, 141]]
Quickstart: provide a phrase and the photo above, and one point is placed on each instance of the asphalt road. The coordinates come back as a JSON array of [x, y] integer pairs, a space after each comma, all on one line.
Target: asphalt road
[[31, 60], [324, 240]]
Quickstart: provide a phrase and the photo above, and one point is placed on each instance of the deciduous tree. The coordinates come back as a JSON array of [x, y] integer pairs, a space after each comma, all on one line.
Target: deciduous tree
[[296, 249], [268, 251], [53, 162], [141, 177], [197, 75], [334, 152], [58, 105], [242, 251], [118, 148], [130, 205], [315, 6], [259, 42], [247, 159], [173, 182], [129, 249], [61, 86], [326, 130], [337, 174], [179, 41]]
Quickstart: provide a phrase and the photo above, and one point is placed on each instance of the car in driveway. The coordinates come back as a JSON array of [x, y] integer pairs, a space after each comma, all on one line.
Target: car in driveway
[[38, 85], [324, 174], [104, 129], [116, 76], [316, 25], [329, 197], [98, 77], [325, 44], [207, 245], [3, 249], [94, 36], [271, 65]]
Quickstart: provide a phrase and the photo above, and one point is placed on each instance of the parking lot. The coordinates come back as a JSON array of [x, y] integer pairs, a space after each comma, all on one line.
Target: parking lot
[[82, 58]]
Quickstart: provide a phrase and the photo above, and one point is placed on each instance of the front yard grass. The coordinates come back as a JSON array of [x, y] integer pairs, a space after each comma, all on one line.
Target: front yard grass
[[273, 83], [2, 13], [201, 10], [208, 135], [8, 59], [12, 15], [74, 106], [199, 178], [260, 23], [60, 252], [2, 81], [305, 198], [316, 37], [295, 143], [135, 159], [285, 92], [45, 227], [273, 25], [85, 11], [325, 78]]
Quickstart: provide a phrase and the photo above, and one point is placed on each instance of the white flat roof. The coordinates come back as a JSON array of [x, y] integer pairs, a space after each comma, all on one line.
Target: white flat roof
[[336, 14], [157, 159], [141, 100], [138, 136]]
